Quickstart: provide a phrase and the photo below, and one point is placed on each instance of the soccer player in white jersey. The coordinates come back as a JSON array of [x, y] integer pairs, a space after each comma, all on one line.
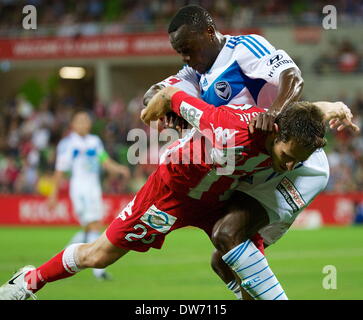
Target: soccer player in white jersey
[[222, 69], [82, 154], [166, 203]]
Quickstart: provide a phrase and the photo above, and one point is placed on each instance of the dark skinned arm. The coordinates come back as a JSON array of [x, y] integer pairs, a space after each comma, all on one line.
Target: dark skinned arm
[[290, 88]]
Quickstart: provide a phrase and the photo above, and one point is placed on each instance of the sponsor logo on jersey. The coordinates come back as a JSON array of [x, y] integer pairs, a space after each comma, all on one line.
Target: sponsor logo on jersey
[[205, 82], [291, 194], [158, 220], [191, 114], [247, 117], [277, 65], [223, 90], [274, 59]]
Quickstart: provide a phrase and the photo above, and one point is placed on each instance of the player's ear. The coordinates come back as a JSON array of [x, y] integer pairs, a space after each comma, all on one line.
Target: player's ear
[[211, 32], [275, 128]]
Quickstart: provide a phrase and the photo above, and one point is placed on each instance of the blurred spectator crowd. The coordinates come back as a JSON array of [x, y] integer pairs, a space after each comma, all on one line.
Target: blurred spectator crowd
[[341, 56], [29, 135], [88, 17]]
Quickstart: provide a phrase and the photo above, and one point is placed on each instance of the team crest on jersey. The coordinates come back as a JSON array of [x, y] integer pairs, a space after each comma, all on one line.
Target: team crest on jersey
[[291, 194], [158, 220], [223, 90]]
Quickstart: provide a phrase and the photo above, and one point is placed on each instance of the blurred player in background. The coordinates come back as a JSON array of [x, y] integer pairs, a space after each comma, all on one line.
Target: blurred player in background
[[222, 69], [82, 154]]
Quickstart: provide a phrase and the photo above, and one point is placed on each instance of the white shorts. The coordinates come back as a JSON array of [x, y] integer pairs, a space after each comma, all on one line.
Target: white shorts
[[87, 203], [285, 195]]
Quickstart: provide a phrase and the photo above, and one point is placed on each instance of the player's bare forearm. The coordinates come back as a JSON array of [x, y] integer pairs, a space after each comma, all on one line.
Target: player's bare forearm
[[159, 105], [152, 91], [338, 114], [53, 197], [115, 168], [57, 179], [290, 88]]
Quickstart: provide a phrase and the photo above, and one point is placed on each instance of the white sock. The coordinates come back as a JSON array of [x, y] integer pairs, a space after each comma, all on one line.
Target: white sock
[[69, 258], [235, 288], [91, 237], [256, 276]]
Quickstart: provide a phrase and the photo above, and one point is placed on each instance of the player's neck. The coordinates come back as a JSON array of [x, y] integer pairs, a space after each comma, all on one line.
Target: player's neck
[[221, 40], [270, 137]]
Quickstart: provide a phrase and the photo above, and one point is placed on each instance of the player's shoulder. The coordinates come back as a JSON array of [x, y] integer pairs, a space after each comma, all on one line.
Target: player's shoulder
[[64, 143], [242, 108], [249, 46], [93, 138]]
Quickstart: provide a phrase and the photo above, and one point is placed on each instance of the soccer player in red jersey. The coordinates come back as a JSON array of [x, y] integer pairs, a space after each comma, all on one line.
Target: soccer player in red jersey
[[175, 195]]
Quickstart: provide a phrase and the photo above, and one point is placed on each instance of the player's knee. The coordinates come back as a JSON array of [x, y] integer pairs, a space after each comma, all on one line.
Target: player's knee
[[227, 236], [215, 261]]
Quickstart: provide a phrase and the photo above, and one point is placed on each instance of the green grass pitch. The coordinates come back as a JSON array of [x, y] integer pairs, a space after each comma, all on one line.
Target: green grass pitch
[[181, 269]]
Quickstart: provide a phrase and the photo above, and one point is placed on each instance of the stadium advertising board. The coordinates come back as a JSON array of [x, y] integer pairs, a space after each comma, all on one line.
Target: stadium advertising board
[[145, 44], [327, 209], [33, 210]]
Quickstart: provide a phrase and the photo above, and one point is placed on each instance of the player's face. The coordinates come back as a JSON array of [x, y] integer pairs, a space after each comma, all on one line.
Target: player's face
[[197, 49], [286, 155], [81, 123]]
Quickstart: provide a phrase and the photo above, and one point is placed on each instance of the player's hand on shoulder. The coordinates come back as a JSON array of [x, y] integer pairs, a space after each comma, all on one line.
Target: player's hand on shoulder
[[263, 121]]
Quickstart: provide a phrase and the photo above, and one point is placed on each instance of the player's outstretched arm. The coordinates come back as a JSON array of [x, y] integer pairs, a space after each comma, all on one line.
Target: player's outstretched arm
[[115, 168], [53, 197], [338, 114]]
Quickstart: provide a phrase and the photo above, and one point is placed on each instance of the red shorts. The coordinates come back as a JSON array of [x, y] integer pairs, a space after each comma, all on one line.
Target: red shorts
[[155, 211]]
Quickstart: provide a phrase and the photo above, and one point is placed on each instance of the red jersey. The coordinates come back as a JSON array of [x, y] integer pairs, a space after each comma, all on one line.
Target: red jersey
[[208, 163]]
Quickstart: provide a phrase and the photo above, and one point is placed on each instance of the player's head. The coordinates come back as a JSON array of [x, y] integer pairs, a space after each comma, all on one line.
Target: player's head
[[81, 122], [192, 34], [299, 131]]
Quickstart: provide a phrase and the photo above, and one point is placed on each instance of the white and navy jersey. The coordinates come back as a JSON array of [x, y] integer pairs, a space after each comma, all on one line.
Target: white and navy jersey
[[80, 155], [247, 70], [285, 195]]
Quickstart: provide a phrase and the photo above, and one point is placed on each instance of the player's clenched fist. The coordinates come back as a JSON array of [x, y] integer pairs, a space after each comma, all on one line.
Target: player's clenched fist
[[158, 106]]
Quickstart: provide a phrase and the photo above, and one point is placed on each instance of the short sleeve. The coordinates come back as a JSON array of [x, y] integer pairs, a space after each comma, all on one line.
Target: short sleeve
[[258, 59], [186, 79], [63, 157]]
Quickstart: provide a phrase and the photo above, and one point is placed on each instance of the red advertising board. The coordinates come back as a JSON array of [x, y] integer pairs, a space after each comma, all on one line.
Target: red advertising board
[[33, 210], [328, 209], [145, 44]]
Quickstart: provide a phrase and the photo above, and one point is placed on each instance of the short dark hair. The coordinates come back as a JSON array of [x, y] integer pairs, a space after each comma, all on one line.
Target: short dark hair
[[191, 15], [304, 123]]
